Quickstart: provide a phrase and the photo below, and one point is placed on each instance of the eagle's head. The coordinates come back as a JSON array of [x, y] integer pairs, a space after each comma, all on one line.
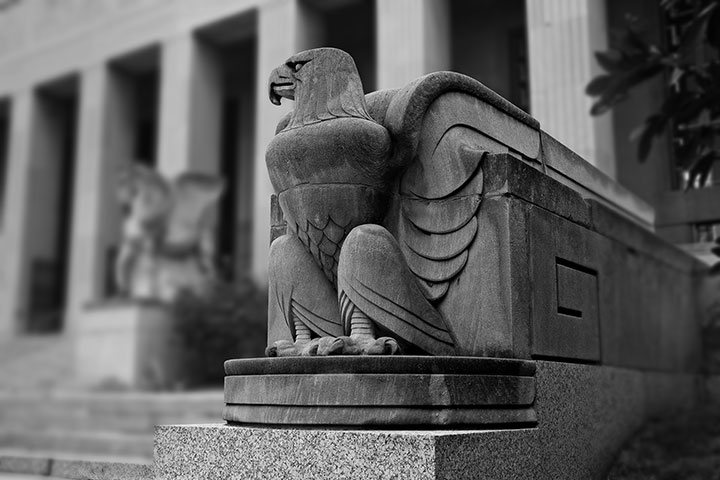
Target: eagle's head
[[324, 83]]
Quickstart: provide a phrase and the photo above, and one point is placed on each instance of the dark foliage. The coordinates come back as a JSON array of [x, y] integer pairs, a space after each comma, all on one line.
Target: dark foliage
[[230, 323], [691, 70]]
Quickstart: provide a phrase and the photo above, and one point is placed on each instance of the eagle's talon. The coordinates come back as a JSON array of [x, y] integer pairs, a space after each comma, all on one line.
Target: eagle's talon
[[384, 346], [310, 348], [367, 345], [330, 346], [286, 348]]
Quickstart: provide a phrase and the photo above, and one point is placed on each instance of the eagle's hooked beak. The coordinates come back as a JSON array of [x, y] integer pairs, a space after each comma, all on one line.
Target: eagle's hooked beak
[[282, 84]]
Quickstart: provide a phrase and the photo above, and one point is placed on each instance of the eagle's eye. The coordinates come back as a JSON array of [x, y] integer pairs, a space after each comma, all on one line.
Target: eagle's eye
[[296, 66]]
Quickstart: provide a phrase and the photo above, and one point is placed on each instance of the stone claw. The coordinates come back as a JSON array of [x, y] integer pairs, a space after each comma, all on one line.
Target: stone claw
[[283, 348], [365, 345], [330, 346], [383, 346], [324, 346]]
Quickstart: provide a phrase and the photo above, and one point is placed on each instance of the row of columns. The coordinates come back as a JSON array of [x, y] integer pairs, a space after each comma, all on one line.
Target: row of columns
[[412, 39]]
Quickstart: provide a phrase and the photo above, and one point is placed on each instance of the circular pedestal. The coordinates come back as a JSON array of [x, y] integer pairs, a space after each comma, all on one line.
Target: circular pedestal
[[381, 391]]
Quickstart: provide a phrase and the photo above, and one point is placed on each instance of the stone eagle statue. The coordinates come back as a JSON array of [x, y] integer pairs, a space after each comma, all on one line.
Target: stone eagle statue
[[379, 219], [168, 243]]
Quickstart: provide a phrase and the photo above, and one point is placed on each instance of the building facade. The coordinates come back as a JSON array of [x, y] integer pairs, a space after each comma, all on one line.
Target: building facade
[[89, 86]]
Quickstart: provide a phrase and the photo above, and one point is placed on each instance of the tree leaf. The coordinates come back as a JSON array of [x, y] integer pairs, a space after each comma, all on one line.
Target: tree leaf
[[675, 77], [695, 34], [599, 108], [610, 60], [598, 85], [699, 171], [692, 82], [638, 131], [713, 30], [645, 143]]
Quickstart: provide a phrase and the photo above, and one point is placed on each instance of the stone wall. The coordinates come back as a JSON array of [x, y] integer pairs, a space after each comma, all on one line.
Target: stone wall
[[26, 24]]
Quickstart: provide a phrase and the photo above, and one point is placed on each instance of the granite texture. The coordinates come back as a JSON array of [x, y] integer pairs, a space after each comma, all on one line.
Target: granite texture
[[224, 452], [585, 413]]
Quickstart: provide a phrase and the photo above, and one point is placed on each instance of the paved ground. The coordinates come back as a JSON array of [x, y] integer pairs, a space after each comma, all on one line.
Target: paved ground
[[13, 476]]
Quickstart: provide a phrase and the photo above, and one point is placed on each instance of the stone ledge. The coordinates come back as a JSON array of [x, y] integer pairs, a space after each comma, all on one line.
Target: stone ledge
[[568, 167]]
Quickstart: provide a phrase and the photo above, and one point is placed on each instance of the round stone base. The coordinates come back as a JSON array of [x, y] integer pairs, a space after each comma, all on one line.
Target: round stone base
[[382, 391]]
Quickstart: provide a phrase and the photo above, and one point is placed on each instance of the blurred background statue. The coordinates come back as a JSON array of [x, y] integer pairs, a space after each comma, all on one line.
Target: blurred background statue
[[168, 243]]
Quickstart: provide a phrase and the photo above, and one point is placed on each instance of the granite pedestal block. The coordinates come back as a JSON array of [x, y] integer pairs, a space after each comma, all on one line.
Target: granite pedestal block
[[227, 452], [132, 344], [585, 413]]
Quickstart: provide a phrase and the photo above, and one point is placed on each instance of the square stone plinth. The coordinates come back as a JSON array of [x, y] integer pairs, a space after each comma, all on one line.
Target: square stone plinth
[[585, 413], [133, 344], [238, 452]]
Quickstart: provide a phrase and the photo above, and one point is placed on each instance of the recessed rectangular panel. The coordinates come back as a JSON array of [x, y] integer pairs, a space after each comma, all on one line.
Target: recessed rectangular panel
[[565, 291], [576, 290]]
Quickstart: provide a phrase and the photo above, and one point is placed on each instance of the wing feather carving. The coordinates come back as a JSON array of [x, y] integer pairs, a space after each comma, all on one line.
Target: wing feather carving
[[440, 216], [440, 196], [433, 291], [441, 246], [439, 193], [445, 171], [435, 271]]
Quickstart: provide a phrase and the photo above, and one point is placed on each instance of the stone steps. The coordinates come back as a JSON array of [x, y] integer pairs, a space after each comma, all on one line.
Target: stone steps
[[56, 465], [48, 429], [68, 442], [93, 435], [116, 412], [36, 362]]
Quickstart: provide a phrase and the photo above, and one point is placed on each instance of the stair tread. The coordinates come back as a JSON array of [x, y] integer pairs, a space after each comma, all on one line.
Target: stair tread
[[80, 466], [59, 455]]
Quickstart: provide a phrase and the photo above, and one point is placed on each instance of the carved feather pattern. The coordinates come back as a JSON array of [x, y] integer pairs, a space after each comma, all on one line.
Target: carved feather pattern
[[437, 224], [323, 242], [442, 124]]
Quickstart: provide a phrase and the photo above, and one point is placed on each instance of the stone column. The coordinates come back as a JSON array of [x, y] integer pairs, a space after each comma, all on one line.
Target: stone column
[[190, 102], [298, 31], [413, 39], [96, 215], [562, 37], [15, 231]]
